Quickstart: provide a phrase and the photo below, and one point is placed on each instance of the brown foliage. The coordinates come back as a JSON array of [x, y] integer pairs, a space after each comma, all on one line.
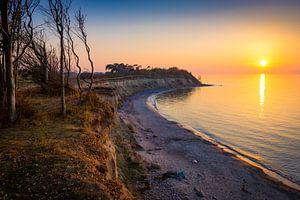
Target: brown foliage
[[92, 111], [53, 88], [24, 105]]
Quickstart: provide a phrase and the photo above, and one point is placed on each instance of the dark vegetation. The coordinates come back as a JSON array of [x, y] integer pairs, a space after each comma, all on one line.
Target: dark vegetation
[[116, 70], [121, 69]]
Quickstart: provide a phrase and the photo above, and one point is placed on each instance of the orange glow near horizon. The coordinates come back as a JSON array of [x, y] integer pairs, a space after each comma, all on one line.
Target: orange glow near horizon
[[212, 44]]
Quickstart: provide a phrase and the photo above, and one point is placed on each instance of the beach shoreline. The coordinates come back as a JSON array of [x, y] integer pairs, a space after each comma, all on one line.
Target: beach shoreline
[[206, 167], [271, 174]]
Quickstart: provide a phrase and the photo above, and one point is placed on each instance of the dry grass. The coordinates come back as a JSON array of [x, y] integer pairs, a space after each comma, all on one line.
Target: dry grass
[[46, 157]]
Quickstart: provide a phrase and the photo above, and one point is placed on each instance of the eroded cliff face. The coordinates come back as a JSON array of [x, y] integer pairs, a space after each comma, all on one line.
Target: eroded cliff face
[[122, 88]]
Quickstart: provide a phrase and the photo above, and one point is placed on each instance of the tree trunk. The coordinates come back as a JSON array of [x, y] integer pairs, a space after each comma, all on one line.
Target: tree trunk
[[76, 57], [7, 51], [67, 66], [46, 74], [63, 102], [46, 64], [2, 80]]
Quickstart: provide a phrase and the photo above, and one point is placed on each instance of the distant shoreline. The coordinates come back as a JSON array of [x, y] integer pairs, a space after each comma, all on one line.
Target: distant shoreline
[[139, 112]]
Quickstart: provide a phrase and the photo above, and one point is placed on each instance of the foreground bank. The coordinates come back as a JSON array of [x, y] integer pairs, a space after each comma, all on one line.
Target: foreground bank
[[185, 166], [90, 154]]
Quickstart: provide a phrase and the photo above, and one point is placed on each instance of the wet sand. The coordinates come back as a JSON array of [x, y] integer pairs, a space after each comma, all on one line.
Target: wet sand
[[202, 170]]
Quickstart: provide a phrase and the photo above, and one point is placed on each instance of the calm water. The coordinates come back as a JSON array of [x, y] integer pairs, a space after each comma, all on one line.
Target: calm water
[[257, 115]]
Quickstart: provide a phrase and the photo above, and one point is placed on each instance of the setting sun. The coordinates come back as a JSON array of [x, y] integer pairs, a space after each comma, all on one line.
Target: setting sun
[[263, 63]]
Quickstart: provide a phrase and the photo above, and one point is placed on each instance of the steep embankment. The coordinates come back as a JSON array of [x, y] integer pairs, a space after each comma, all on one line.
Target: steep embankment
[[88, 155], [124, 87]]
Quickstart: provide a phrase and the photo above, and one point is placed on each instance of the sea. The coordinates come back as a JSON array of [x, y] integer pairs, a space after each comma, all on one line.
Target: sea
[[256, 116]]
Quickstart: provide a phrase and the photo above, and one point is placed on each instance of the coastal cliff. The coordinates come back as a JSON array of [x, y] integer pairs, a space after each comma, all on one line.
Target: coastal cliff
[[123, 87], [91, 154]]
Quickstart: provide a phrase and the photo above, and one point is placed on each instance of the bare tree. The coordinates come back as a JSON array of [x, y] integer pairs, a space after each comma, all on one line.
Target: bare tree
[[16, 29], [34, 67], [82, 35], [76, 57], [36, 59], [21, 29], [7, 54], [39, 48], [57, 15], [68, 61]]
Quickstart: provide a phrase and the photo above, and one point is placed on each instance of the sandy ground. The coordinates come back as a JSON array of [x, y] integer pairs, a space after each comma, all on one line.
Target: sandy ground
[[203, 170]]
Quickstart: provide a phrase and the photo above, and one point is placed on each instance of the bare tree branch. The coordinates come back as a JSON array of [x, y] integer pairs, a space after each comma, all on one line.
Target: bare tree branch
[[82, 35]]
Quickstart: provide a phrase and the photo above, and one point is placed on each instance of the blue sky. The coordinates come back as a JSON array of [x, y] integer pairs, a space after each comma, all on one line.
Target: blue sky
[[113, 8]]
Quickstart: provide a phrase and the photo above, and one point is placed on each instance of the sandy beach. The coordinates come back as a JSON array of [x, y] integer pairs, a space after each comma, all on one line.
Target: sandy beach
[[184, 166]]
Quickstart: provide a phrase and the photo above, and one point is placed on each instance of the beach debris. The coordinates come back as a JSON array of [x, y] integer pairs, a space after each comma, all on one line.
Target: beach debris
[[198, 192], [148, 130], [150, 151], [173, 174], [153, 166], [155, 149], [130, 127], [143, 185], [195, 161], [243, 187]]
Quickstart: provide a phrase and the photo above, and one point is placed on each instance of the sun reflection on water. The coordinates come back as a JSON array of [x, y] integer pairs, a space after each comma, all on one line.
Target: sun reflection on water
[[262, 88], [257, 114]]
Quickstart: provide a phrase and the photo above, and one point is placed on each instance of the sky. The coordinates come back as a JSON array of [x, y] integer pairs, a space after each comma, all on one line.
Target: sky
[[204, 37]]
